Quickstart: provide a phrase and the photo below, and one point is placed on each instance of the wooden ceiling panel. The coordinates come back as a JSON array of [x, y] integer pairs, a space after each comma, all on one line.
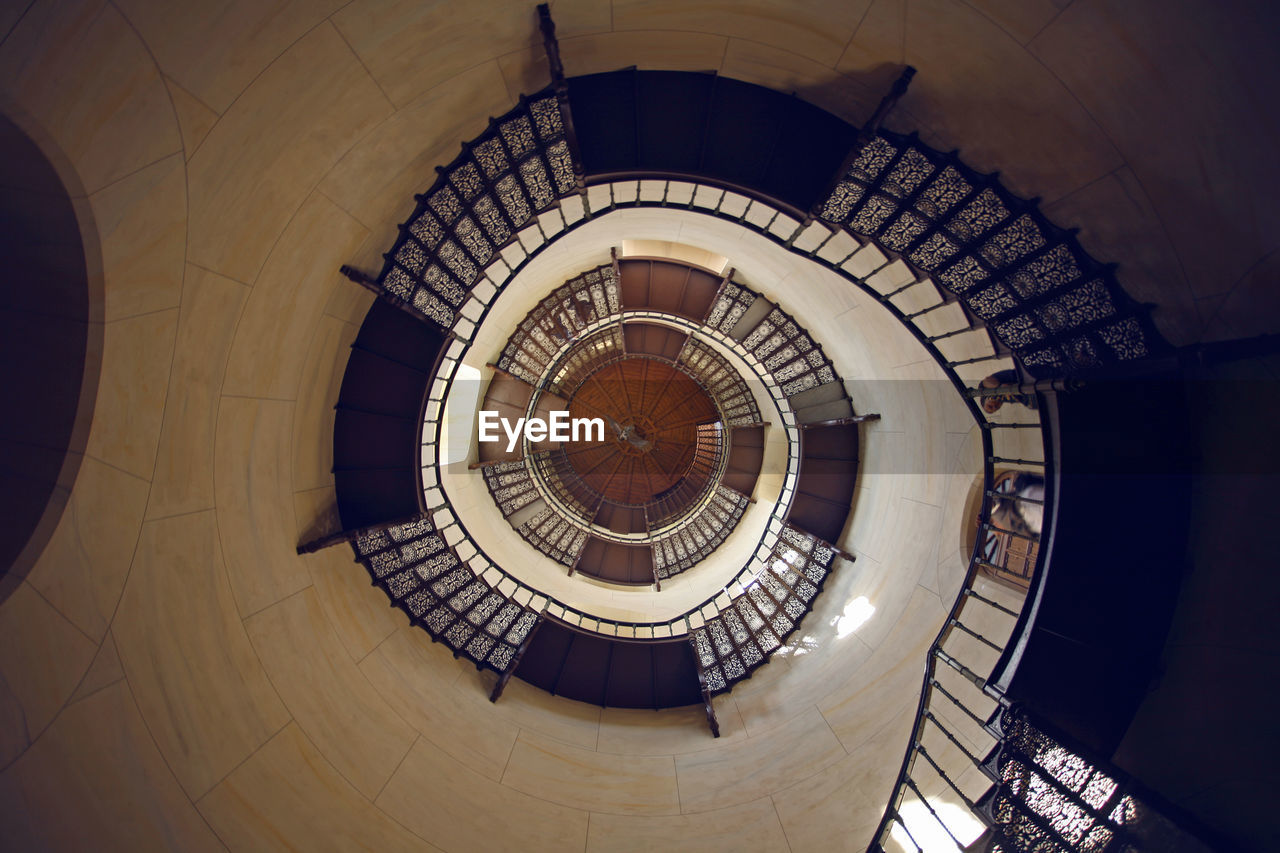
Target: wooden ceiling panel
[[651, 412]]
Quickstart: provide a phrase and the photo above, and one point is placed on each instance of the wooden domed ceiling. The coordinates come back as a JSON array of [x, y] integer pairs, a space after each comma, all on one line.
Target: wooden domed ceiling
[[652, 411]]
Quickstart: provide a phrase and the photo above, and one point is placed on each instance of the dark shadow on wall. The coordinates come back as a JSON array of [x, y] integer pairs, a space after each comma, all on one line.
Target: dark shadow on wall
[[50, 343]]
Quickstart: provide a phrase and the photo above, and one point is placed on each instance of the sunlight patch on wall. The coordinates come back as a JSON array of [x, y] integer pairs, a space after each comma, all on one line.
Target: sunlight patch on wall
[[855, 615]]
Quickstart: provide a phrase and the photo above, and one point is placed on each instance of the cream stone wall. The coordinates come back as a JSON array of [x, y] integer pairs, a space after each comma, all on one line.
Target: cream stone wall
[[172, 675]]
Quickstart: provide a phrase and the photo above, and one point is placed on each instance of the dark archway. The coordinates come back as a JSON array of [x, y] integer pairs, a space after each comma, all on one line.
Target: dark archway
[[48, 338]]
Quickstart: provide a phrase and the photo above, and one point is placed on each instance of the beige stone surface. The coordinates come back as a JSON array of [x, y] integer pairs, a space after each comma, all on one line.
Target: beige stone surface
[[312, 806], [1021, 19], [641, 731], [585, 778], [358, 611], [375, 180], [302, 113], [958, 50], [215, 51], [421, 692], [747, 770], [388, 36], [806, 28], [142, 223], [103, 672], [36, 685], [82, 569], [211, 308], [96, 781], [350, 303], [357, 732], [532, 709], [127, 415], [892, 675], [753, 826], [81, 72], [195, 119], [318, 387], [256, 524], [205, 697], [839, 807], [812, 80], [875, 52], [652, 47], [1118, 223], [238, 145], [1139, 87], [9, 17], [463, 806], [288, 299]]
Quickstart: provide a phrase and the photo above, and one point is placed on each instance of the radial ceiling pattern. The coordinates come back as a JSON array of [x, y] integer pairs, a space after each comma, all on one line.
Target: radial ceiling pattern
[[232, 162], [652, 412]]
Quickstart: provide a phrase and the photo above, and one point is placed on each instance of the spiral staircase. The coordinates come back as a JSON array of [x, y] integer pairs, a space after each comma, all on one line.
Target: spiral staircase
[[977, 275]]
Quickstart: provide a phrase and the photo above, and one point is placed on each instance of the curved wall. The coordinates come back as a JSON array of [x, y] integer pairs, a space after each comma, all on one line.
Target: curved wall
[[50, 343], [173, 674]]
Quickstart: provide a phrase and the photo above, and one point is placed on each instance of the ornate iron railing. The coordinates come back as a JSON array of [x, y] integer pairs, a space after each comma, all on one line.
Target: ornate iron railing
[[911, 227]]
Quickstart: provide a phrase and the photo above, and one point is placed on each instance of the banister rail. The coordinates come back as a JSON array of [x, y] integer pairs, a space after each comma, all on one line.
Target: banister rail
[[903, 216], [765, 220]]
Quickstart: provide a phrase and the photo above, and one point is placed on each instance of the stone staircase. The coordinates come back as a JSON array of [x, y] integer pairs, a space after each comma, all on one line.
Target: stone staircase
[[979, 276], [423, 576]]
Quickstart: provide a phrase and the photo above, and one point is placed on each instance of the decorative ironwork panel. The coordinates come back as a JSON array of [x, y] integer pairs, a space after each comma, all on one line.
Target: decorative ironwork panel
[[792, 357], [557, 320], [424, 577], [1049, 798], [732, 302], [521, 165], [510, 485], [994, 250], [723, 383]]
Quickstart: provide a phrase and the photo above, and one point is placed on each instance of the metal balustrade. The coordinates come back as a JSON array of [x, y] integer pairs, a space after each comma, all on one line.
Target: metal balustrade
[[491, 212], [876, 274], [863, 265], [966, 267]]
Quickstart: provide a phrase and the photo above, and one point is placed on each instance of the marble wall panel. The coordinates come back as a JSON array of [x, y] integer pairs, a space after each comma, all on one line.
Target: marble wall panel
[[288, 299], [361, 613], [142, 226], [103, 672], [390, 37], [137, 353], [753, 826], [312, 806], [375, 180], [215, 50], [195, 119], [83, 567], [261, 160], [756, 767], [840, 807], [318, 387], [479, 738], [42, 658], [1180, 96], [355, 730], [96, 781], [809, 28], [464, 806], [256, 522], [80, 71], [198, 683], [979, 89], [211, 308], [592, 780]]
